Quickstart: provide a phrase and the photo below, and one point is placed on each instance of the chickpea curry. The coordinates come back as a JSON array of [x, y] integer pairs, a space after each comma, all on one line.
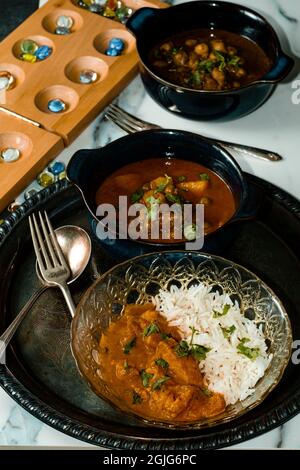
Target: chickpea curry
[[170, 181], [147, 366], [203, 60]]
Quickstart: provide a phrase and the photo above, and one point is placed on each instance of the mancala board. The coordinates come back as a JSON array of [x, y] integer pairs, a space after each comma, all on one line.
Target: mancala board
[[25, 117]]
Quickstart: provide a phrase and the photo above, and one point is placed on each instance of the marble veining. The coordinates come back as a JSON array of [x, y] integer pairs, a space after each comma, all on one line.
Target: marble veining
[[263, 128], [286, 15]]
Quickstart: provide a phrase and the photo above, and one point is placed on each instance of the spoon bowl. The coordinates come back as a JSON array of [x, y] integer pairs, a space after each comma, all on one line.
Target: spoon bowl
[[76, 247]]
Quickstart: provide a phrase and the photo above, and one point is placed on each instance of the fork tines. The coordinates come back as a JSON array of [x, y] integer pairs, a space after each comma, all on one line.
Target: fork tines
[[48, 252], [127, 121]]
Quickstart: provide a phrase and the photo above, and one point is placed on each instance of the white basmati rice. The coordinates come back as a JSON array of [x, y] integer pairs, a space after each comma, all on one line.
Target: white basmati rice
[[225, 369]]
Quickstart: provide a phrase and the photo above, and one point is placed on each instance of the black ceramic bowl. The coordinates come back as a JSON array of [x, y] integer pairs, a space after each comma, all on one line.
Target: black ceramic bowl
[[152, 25], [89, 168]]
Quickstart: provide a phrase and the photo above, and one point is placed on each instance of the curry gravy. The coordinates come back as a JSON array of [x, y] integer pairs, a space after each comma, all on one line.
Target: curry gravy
[[213, 192]]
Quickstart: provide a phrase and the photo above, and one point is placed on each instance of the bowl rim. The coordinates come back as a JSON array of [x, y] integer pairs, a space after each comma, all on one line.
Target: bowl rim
[[166, 131], [221, 4], [209, 422]]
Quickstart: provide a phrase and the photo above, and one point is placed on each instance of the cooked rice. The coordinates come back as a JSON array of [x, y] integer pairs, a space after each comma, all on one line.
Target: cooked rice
[[226, 370]]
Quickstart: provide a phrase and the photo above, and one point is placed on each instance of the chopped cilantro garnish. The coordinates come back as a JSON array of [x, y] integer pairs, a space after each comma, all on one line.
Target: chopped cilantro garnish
[[165, 336], [173, 198], [193, 329], [176, 49], [234, 61], [182, 349], [136, 398], [251, 353], [197, 78], [136, 196], [161, 187], [221, 60], [180, 179], [126, 365], [162, 363], [128, 346], [160, 382], [206, 65], [151, 329], [199, 352], [206, 392], [204, 176], [227, 332], [153, 200], [226, 309], [145, 377]]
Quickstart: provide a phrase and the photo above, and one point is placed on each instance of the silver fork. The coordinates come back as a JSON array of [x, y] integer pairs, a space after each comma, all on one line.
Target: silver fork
[[131, 124], [51, 261]]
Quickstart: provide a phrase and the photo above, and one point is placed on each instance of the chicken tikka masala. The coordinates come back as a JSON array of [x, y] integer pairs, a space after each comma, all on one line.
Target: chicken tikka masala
[[147, 365]]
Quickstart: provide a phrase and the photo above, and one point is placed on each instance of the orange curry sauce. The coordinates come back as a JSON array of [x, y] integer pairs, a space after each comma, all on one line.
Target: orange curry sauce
[[190, 183], [141, 365]]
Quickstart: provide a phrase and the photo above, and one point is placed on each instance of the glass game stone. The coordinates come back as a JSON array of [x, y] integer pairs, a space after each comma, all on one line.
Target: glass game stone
[[82, 4], [109, 13], [94, 8], [116, 43], [88, 76], [62, 31], [7, 80], [65, 21], [45, 179], [28, 46], [10, 154], [56, 105], [31, 51], [123, 12], [29, 58], [62, 175], [113, 9], [56, 168], [112, 52]]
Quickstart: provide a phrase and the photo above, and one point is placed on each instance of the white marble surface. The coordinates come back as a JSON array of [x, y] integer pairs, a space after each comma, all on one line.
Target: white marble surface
[[275, 126]]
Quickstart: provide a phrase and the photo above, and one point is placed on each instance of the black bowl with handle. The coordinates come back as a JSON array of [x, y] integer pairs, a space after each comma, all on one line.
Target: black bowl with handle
[[87, 169], [152, 25]]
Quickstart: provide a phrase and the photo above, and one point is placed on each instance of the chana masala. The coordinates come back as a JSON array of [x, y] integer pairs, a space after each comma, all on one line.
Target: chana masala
[[209, 60], [147, 366]]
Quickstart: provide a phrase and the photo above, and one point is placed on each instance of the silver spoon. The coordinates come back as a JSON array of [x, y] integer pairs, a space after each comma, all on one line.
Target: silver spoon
[[76, 247]]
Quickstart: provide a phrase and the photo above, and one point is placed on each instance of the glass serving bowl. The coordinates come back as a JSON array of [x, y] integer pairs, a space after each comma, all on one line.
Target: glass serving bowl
[[137, 280]]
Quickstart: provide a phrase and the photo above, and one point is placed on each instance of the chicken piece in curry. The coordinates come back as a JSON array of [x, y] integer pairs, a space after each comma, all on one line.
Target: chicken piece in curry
[[147, 366]]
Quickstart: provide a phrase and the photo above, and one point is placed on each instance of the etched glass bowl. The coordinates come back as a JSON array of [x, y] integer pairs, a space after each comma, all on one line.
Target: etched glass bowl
[[137, 280]]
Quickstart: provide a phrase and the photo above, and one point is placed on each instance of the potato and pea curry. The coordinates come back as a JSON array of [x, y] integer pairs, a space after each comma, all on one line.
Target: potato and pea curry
[[170, 181], [203, 60], [146, 365]]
